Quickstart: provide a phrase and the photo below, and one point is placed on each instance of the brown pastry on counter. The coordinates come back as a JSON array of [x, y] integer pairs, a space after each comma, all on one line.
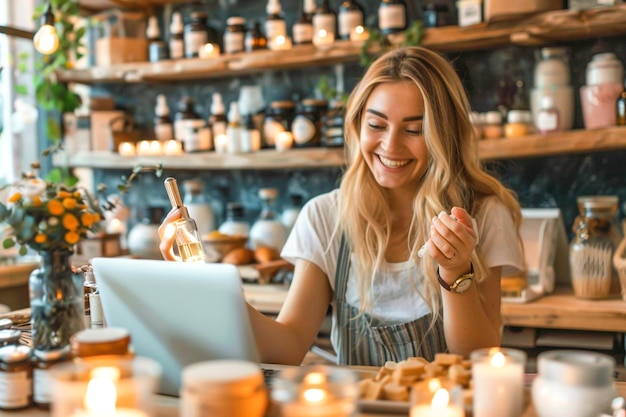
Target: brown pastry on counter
[[264, 254], [239, 256]]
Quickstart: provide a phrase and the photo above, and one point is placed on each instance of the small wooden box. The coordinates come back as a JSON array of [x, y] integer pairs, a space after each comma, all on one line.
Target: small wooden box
[[116, 50]]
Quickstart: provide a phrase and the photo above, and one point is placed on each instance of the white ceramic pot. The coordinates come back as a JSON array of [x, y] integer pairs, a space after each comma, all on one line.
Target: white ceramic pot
[[604, 68]]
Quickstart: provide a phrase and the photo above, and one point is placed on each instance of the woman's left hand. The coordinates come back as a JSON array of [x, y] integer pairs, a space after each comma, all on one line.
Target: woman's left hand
[[452, 240]]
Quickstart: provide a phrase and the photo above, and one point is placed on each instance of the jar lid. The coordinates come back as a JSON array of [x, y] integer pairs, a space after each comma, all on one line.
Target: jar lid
[[517, 116], [283, 104], [5, 323], [236, 21], [598, 201], [102, 341], [8, 336], [572, 367], [493, 117], [14, 353], [51, 355], [226, 377]]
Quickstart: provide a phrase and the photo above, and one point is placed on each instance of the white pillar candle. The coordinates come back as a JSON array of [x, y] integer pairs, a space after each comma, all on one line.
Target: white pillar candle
[[126, 149], [143, 147], [172, 147], [359, 33], [221, 143], [283, 141], [156, 148], [209, 50], [498, 378]]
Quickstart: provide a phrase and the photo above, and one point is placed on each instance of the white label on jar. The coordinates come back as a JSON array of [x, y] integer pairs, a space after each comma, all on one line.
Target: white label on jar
[[194, 41], [303, 129], [325, 22], [41, 386], [177, 49], [302, 33], [15, 389], [233, 42], [391, 16], [275, 27], [547, 121], [348, 21], [271, 128], [164, 131]]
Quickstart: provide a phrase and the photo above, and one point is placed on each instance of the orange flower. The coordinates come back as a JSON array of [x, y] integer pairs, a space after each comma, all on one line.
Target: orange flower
[[87, 219], [72, 238], [63, 194], [70, 222], [55, 207], [69, 203], [36, 201], [40, 238], [15, 197]]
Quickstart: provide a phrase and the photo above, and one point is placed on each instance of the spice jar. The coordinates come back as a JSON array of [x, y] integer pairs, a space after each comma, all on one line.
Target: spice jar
[[596, 236], [577, 381], [42, 361], [9, 336], [492, 128], [278, 119], [15, 377], [102, 341]]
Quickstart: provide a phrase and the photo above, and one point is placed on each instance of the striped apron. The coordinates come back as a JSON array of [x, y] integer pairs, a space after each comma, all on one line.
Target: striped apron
[[367, 341]]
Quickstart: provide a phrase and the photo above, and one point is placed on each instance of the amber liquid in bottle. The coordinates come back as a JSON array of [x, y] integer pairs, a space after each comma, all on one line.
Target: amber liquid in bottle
[[190, 247]]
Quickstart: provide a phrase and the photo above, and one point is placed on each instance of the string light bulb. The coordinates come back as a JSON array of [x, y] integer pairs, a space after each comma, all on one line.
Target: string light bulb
[[46, 39]]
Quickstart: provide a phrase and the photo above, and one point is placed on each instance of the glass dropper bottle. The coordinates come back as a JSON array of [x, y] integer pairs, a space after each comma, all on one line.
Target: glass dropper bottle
[[187, 237]]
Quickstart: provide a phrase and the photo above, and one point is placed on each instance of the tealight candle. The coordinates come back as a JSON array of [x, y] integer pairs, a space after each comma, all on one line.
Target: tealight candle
[[359, 33], [172, 147], [143, 147], [221, 143], [155, 147], [323, 37], [126, 149], [283, 141], [434, 399], [498, 376], [279, 42], [209, 50]]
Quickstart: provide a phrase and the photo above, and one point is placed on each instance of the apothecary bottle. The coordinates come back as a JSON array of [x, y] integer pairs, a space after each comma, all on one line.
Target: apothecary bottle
[[351, 14], [392, 16], [275, 24], [234, 35], [302, 29], [596, 236], [177, 40], [325, 19], [254, 39], [196, 34]]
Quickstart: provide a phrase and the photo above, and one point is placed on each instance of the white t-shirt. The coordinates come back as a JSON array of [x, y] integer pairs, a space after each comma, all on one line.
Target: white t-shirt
[[394, 297]]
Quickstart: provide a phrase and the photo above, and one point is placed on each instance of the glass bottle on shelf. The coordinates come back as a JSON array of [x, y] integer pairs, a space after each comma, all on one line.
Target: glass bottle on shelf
[[596, 236], [163, 128], [235, 223], [325, 19], [275, 21], [196, 34], [392, 16], [302, 29], [157, 48], [351, 14], [176, 42], [218, 119], [254, 39], [267, 230]]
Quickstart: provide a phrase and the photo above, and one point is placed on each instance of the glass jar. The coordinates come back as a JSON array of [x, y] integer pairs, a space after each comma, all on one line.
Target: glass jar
[[15, 377], [234, 35], [42, 361], [596, 236], [306, 126], [278, 119]]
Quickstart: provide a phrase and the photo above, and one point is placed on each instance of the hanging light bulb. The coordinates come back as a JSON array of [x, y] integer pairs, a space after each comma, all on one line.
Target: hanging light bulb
[[46, 39]]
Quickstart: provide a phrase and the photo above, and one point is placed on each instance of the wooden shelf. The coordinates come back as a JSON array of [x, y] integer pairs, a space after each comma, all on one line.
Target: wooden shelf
[[529, 146], [539, 29], [264, 159]]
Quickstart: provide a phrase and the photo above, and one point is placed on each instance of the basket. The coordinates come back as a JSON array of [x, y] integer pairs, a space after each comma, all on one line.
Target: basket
[[216, 247]]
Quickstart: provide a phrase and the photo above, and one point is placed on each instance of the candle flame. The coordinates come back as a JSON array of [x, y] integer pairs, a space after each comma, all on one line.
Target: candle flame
[[322, 33], [359, 29], [315, 378], [441, 399], [314, 395], [498, 360], [434, 384], [280, 40], [101, 394]]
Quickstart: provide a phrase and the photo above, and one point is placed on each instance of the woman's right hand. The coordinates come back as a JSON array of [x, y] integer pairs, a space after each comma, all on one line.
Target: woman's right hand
[[166, 235]]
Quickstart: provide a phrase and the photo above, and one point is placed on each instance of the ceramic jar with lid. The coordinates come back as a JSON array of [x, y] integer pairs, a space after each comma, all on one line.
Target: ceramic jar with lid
[[573, 383], [603, 87]]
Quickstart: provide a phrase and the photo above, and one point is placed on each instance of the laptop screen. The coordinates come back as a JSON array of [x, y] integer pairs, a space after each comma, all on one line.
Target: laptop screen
[[177, 313]]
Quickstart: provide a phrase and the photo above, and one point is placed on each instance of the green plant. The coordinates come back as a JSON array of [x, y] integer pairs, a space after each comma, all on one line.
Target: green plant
[[377, 43], [55, 97]]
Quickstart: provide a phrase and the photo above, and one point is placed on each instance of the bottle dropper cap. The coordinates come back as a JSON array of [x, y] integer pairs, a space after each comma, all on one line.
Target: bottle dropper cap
[[310, 6], [177, 23], [162, 108], [217, 105], [273, 7], [153, 31], [171, 186]]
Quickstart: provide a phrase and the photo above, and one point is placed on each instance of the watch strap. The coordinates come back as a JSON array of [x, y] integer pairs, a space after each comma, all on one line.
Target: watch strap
[[451, 288]]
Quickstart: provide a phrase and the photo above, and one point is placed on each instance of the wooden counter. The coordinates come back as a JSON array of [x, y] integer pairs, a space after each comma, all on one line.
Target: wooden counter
[[168, 407]]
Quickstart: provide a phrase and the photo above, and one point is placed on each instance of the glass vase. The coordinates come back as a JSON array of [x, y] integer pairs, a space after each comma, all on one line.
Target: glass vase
[[56, 302]]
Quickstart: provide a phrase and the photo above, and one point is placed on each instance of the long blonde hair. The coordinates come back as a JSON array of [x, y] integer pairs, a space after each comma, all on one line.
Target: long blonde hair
[[454, 175]]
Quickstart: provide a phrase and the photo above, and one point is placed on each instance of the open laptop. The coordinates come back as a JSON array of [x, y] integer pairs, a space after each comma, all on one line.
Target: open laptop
[[177, 313]]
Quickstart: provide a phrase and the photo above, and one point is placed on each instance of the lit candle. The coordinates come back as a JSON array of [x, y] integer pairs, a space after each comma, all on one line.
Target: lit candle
[[221, 143], [101, 396], [359, 33], [209, 50], [283, 141], [126, 149], [498, 377], [156, 148], [143, 147], [433, 400], [279, 42], [172, 147], [316, 401], [323, 37]]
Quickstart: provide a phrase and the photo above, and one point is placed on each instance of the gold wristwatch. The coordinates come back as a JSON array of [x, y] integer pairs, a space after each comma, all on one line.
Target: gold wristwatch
[[460, 285]]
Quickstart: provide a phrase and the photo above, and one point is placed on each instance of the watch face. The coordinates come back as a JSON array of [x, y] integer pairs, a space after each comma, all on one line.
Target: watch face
[[463, 285]]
